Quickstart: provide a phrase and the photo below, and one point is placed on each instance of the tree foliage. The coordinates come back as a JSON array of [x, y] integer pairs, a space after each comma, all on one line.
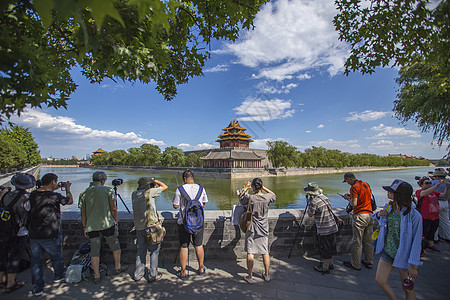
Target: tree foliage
[[173, 157], [11, 153], [282, 154], [161, 41], [409, 34], [26, 142]]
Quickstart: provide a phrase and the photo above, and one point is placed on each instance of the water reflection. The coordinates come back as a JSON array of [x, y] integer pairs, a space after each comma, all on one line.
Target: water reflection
[[222, 192]]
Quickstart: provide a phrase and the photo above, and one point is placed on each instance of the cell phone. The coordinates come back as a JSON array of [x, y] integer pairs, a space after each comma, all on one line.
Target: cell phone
[[342, 195]]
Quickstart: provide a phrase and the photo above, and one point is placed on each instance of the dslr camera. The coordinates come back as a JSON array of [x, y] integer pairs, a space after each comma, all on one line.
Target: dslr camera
[[62, 184], [117, 181], [417, 177]]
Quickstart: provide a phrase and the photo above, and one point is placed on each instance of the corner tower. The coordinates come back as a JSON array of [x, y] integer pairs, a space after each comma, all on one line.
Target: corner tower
[[234, 136]]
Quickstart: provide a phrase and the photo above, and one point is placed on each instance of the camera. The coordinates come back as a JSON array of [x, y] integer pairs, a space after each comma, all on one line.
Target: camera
[[349, 209], [38, 184], [417, 177], [62, 184], [117, 181]]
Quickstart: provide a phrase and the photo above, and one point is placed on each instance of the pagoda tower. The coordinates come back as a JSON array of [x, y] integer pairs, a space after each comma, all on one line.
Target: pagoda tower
[[234, 136]]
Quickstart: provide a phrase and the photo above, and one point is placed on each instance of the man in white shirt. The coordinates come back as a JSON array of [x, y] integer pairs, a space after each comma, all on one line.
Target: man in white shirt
[[180, 201]]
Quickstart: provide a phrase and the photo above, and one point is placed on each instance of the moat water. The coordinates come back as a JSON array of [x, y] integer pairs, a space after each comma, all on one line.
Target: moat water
[[222, 192]]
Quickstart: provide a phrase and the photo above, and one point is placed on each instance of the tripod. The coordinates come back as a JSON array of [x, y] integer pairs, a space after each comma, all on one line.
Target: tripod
[[299, 228], [120, 197]]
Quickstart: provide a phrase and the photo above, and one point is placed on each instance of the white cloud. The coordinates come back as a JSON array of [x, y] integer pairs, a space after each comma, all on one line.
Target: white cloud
[[267, 88], [308, 131], [264, 110], [68, 127], [367, 115], [262, 143], [202, 146], [389, 131], [290, 38], [332, 144], [218, 68], [382, 145], [321, 126]]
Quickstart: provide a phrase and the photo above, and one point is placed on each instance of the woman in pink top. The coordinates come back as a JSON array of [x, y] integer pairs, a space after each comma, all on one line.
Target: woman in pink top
[[428, 205]]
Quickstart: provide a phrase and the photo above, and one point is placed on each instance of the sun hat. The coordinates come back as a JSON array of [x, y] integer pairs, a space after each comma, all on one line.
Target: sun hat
[[439, 172], [313, 189], [399, 186], [23, 181], [144, 183], [348, 175]]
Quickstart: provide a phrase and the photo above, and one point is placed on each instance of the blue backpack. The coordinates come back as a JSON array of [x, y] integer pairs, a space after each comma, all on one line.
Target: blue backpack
[[193, 218]]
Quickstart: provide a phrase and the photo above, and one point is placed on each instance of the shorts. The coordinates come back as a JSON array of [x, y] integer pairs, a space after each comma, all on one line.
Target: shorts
[[429, 228], [95, 237], [386, 257], [327, 245], [186, 238]]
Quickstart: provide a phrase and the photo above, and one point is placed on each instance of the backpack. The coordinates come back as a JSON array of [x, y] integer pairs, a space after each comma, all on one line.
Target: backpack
[[9, 222], [193, 218]]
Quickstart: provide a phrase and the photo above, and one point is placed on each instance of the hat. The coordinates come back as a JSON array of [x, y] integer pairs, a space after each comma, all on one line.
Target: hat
[[439, 172], [144, 182], [313, 189], [348, 175], [23, 181], [399, 186]]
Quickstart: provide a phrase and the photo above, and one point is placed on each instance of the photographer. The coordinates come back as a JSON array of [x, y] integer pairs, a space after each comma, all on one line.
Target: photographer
[[145, 215], [443, 231], [319, 207], [360, 199], [99, 218], [45, 229]]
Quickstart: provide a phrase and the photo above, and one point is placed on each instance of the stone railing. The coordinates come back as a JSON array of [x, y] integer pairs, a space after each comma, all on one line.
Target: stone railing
[[221, 239]]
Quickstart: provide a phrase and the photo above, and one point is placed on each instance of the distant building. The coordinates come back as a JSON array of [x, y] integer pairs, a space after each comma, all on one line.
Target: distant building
[[99, 151], [234, 151], [407, 156]]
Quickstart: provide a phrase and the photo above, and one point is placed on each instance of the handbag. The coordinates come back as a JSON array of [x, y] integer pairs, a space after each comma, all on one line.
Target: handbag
[[154, 232], [339, 222], [246, 218]]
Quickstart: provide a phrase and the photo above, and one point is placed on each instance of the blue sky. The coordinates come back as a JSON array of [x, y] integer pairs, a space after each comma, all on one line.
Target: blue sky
[[283, 80]]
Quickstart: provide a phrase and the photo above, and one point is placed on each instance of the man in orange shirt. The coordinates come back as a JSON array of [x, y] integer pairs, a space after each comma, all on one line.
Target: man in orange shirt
[[360, 199]]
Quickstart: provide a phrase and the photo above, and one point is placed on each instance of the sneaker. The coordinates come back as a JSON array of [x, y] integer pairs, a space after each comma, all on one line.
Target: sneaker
[[248, 280], [153, 279], [266, 278], [59, 279], [320, 269], [38, 293]]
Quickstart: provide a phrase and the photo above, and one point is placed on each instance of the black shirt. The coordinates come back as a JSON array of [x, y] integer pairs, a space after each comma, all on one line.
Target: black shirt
[[45, 214]]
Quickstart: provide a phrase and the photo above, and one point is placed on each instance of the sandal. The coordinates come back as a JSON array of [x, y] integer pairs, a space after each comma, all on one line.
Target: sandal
[[17, 285], [97, 280], [367, 265], [266, 278], [2, 285], [349, 265], [180, 276], [202, 273]]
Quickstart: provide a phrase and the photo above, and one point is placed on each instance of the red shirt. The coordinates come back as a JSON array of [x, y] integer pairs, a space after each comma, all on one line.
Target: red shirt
[[361, 191], [429, 205]]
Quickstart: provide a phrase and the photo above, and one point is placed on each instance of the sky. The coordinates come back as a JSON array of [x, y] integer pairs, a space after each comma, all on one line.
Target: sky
[[283, 81]]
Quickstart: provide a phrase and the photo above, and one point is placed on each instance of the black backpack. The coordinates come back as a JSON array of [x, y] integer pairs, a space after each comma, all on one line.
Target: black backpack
[[9, 222]]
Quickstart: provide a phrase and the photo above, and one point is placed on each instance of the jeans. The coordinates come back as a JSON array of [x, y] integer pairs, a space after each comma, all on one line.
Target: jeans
[[362, 235], [142, 246], [54, 249]]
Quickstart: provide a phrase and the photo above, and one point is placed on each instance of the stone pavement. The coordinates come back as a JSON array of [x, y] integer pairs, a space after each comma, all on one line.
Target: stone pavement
[[292, 278]]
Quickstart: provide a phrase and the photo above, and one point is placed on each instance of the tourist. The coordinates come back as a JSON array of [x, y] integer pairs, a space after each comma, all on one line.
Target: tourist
[[428, 205], [443, 231], [257, 236], [319, 206], [190, 191], [45, 229], [99, 218], [144, 215], [13, 243], [399, 239], [360, 199]]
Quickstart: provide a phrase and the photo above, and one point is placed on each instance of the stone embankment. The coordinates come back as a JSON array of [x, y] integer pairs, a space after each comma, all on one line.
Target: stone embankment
[[229, 173]]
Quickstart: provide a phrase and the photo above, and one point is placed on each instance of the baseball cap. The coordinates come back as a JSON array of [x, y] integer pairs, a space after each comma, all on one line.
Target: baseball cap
[[348, 175], [399, 186]]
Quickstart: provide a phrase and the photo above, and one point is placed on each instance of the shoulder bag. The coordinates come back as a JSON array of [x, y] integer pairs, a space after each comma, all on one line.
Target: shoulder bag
[[154, 232], [246, 218]]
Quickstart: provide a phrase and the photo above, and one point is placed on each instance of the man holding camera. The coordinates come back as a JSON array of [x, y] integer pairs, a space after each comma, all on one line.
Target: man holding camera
[[99, 218], [360, 198], [319, 206], [45, 229]]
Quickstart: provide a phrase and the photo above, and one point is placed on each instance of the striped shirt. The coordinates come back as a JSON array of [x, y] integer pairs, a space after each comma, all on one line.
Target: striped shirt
[[410, 245], [323, 218]]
